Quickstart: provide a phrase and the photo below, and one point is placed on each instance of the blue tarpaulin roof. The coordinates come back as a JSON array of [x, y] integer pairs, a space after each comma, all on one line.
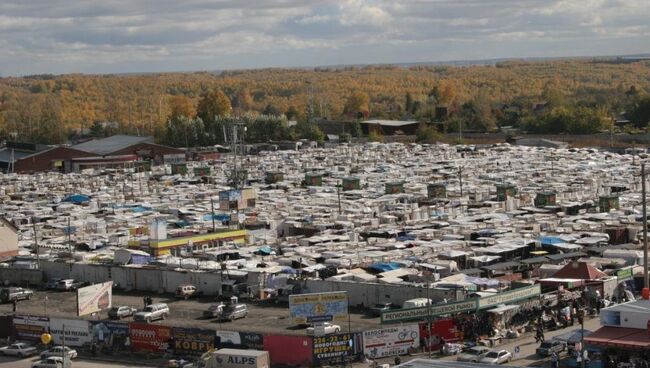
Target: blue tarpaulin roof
[[217, 216], [550, 240], [139, 209], [385, 266], [265, 250], [77, 198]]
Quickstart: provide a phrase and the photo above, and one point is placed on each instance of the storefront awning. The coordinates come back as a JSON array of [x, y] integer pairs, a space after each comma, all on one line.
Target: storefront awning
[[621, 337]]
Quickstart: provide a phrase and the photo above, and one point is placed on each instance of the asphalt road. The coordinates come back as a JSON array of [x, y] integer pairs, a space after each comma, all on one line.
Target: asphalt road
[[8, 362], [263, 317]]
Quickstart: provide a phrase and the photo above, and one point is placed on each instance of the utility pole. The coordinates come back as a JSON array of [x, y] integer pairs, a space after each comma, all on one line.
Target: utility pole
[[63, 344], [338, 193], [212, 211], [428, 317], [645, 227], [69, 236], [38, 257], [460, 179]]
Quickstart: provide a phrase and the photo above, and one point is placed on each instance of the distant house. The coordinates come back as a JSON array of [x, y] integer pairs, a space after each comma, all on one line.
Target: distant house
[[8, 239], [390, 127], [116, 150]]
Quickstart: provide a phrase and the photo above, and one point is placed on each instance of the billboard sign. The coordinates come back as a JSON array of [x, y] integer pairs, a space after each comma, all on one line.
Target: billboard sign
[[77, 331], [421, 313], [110, 334], [333, 348], [390, 341], [174, 158], [30, 327], [149, 338], [192, 341], [94, 298], [510, 296], [318, 307]]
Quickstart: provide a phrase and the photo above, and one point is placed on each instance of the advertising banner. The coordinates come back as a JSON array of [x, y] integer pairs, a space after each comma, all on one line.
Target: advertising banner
[[174, 158], [289, 350], [192, 341], [440, 329], [110, 334], [94, 298], [335, 349], [148, 338], [240, 340], [420, 313], [30, 327], [510, 296], [391, 341], [77, 331], [319, 307]]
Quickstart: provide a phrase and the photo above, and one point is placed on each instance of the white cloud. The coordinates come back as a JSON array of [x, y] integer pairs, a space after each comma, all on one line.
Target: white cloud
[[40, 36]]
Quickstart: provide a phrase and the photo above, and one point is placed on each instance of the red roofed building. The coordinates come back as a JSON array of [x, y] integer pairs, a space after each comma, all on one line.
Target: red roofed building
[[580, 271]]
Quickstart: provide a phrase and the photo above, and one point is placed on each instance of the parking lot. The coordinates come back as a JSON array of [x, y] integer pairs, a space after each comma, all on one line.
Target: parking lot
[[263, 317]]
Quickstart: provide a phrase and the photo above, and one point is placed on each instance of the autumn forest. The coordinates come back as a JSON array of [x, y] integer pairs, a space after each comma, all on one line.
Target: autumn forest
[[572, 96]]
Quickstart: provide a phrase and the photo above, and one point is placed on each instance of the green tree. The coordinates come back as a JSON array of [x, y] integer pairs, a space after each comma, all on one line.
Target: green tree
[[640, 113], [357, 102], [426, 134], [355, 129], [212, 105]]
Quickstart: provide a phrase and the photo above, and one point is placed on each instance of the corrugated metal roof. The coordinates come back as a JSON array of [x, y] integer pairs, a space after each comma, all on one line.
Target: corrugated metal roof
[[111, 144]]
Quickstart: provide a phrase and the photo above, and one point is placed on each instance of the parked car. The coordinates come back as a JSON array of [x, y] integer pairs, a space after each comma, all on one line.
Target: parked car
[[121, 311], [188, 291], [19, 349], [52, 362], [69, 284], [152, 312], [53, 284], [329, 329], [473, 354], [57, 351], [11, 294], [549, 347], [215, 310], [233, 312], [496, 357], [376, 309]]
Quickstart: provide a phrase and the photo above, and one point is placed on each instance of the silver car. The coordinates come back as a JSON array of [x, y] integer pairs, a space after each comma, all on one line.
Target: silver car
[[152, 312]]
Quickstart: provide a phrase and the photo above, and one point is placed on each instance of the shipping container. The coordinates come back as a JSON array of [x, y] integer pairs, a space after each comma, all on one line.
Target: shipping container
[[237, 358]]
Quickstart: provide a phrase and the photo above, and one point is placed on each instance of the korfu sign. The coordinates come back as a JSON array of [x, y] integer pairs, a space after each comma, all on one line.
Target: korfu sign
[[510, 296]]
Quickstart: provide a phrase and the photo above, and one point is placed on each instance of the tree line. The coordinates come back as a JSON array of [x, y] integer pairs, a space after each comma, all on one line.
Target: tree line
[[569, 96]]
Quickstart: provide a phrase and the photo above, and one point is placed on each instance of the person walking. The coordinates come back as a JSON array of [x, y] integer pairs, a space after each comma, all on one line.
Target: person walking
[[555, 360]]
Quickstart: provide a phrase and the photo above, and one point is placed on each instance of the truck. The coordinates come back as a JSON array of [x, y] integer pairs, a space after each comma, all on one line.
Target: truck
[[238, 358], [416, 303]]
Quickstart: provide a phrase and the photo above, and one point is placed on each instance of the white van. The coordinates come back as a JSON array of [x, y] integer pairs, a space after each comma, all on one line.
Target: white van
[[416, 303]]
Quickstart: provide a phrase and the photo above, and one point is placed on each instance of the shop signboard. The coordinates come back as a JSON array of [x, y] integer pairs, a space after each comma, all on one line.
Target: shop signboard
[[420, 313], [94, 298], [192, 341], [624, 274], [509, 297], [318, 307], [148, 338], [333, 349], [30, 327], [77, 331], [390, 341], [175, 158]]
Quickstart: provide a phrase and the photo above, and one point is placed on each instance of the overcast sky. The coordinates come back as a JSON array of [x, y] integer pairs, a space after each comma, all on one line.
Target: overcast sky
[[115, 36]]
